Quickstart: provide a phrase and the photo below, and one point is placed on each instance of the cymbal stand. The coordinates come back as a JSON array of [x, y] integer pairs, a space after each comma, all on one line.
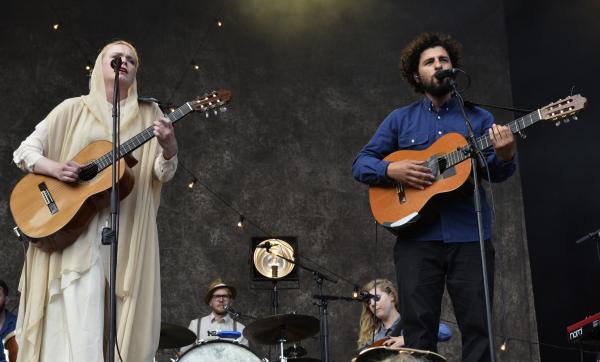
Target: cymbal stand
[[282, 357], [275, 297], [324, 327]]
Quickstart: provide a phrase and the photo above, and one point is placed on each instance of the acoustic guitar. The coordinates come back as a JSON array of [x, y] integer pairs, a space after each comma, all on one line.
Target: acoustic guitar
[[53, 213], [10, 345], [397, 206]]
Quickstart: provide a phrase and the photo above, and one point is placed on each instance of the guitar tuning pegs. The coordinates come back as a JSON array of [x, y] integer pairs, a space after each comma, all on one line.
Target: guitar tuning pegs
[[206, 114], [557, 123], [215, 112], [522, 134], [574, 118], [566, 120], [223, 109]]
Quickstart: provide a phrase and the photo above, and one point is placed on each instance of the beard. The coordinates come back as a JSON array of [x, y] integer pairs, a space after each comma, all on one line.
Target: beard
[[437, 89]]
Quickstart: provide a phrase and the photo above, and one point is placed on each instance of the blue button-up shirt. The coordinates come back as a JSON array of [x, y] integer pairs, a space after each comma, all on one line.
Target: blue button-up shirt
[[416, 127], [10, 322]]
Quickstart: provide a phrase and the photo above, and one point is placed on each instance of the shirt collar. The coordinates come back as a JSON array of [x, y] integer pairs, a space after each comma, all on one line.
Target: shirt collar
[[449, 105], [213, 318], [393, 325]]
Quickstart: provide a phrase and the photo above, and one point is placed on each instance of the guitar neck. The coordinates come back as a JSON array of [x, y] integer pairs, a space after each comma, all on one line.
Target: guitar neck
[[146, 135], [484, 142]]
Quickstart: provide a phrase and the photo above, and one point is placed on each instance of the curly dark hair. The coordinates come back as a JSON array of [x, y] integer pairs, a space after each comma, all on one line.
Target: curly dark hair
[[409, 58]]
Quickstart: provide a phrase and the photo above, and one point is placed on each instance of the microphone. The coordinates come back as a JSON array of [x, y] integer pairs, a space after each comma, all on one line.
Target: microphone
[[446, 73], [266, 245], [116, 63], [366, 296], [234, 314]]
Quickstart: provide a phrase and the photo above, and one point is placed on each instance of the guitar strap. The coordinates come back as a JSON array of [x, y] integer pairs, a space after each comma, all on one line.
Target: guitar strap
[[397, 331]]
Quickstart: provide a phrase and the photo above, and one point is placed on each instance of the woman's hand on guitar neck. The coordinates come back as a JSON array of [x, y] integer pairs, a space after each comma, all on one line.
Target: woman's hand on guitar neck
[[394, 342], [411, 172], [163, 130], [63, 171]]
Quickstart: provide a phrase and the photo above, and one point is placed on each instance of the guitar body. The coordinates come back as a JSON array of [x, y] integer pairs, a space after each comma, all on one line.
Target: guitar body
[[396, 207], [53, 213], [54, 227]]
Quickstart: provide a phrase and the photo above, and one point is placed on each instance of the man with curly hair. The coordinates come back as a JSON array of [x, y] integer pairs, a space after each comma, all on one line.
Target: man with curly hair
[[441, 249]]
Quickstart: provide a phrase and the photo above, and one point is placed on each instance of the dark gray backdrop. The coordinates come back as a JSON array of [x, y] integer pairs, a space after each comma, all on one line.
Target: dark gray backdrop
[[311, 81], [559, 165]]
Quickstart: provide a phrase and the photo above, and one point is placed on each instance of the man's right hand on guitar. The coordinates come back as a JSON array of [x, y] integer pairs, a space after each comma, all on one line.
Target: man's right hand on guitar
[[411, 172], [63, 171]]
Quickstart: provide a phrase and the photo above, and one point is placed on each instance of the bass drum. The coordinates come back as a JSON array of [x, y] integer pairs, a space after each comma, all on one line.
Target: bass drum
[[219, 351], [377, 354]]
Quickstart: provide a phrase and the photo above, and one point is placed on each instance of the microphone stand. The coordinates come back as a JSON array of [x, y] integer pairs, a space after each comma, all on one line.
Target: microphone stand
[[477, 158], [110, 234], [323, 301]]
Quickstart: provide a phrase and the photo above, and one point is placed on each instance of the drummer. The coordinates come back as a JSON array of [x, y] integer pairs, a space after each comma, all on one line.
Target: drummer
[[218, 295], [380, 318]]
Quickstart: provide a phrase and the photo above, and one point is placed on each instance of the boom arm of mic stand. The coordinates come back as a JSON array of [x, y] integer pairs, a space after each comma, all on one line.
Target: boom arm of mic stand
[[590, 236], [335, 297], [301, 265]]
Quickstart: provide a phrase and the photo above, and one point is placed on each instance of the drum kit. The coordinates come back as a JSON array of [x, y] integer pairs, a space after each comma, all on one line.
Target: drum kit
[[276, 330]]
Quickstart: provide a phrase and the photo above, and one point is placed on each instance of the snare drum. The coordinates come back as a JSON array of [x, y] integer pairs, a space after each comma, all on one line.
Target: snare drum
[[377, 354], [219, 350]]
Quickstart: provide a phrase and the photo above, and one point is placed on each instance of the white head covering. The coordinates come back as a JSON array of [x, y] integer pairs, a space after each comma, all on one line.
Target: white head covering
[[96, 100]]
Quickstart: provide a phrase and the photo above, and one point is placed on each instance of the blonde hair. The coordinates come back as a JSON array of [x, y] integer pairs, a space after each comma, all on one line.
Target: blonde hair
[[368, 321], [126, 43]]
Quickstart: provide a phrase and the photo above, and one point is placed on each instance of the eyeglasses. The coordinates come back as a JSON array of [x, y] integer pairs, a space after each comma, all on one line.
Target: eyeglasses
[[221, 296]]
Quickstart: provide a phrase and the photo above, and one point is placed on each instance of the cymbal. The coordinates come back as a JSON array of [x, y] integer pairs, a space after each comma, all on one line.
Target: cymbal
[[380, 353], [174, 336], [291, 327]]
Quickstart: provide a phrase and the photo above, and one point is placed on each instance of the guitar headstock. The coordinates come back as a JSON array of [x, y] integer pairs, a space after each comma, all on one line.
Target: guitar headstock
[[211, 100], [563, 110]]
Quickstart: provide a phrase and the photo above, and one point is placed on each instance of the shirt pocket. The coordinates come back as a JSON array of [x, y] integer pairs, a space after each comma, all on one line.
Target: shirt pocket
[[413, 142]]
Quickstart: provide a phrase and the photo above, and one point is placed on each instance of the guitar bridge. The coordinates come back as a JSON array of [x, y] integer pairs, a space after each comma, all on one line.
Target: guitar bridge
[[400, 192], [47, 196]]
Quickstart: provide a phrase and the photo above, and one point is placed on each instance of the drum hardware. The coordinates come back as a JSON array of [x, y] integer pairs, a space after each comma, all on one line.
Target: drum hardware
[[295, 351], [318, 278], [381, 353], [174, 336], [225, 334]]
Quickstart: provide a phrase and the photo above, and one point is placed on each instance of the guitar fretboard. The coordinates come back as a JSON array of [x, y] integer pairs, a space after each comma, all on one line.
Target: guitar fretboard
[[484, 141], [136, 141]]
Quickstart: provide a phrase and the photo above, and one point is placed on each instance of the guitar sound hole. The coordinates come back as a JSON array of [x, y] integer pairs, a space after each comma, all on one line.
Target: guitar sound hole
[[88, 172], [442, 164]]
